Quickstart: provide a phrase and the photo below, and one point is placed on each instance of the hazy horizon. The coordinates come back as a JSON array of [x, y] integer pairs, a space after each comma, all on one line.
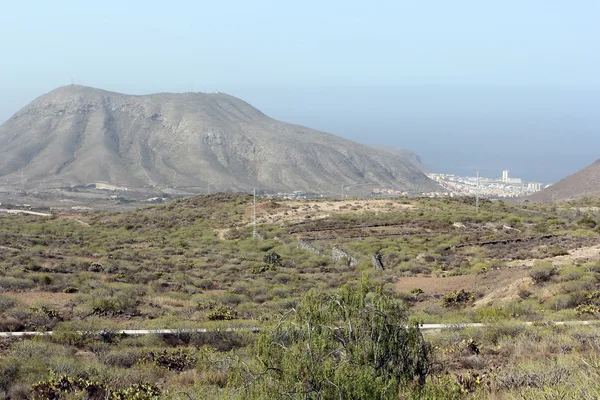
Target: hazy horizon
[[468, 86]]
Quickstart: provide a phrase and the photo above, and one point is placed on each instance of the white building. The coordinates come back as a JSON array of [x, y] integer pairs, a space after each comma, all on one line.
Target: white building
[[505, 176]]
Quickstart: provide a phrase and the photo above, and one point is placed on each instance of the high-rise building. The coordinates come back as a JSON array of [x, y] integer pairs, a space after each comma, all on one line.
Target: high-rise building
[[505, 176]]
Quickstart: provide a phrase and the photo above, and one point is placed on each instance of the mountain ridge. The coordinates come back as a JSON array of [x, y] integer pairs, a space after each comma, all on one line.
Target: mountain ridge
[[78, 135], [583, 183]]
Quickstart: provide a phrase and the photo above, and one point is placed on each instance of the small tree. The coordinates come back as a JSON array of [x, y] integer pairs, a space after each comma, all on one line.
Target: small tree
[[354, 344]]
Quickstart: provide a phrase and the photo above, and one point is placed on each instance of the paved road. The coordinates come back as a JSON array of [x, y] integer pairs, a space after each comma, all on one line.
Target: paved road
[[424, 327], [25, 212]]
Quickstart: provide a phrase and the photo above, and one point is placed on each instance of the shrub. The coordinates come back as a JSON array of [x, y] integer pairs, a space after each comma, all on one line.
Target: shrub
[[10, 324], [457, 297], [590, 309], [43, 279], [120, 304], [571, 274], [58, 386], [178, 360], [543, 272], [9, 371], [587, 221], [259, 269], [6, 303], [492, 314], [524, 292], [125, 358], [556, 251], [352, 344], [11, 283], [222, 313]]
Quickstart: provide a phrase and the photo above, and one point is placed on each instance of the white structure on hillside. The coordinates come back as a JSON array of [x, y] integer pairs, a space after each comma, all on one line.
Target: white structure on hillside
[[534, 187]]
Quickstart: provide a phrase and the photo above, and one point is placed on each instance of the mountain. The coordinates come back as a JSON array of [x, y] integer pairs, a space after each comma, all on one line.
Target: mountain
[[584, 183], [78, 135], [406, 155]]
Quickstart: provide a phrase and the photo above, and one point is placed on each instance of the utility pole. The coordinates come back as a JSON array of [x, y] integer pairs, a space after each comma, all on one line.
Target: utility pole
[[477, 195], [254, 225]]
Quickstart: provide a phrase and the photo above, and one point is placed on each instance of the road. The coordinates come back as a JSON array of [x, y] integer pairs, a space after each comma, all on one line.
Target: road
[[25, 212], [424, 327]]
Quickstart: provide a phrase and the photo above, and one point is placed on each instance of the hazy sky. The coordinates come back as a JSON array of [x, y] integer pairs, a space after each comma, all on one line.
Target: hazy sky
[[467, 84]]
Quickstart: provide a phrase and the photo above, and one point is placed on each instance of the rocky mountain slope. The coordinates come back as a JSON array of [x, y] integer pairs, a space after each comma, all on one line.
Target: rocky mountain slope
[[584, 183], [78, 135]]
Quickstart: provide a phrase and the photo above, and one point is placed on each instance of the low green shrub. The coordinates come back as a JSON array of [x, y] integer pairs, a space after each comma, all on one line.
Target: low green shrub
[[543, 272], [16, 284], [222, 313], [61, 386], [457, 298], [492, 314], [178, 360], [6, 303]]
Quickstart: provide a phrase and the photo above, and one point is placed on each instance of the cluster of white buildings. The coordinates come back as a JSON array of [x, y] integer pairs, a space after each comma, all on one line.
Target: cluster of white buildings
[[486, 187]]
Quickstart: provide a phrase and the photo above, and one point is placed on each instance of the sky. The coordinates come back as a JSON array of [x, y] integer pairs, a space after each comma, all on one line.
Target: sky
[[468, 85]]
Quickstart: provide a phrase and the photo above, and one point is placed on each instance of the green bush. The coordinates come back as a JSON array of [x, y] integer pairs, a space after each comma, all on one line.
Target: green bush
[[492, 314], [178, 360], [352, 344], [61, 386], [587, 221], [222, 313], [6, 303], [543, 272], [456, 298], [17, 284]]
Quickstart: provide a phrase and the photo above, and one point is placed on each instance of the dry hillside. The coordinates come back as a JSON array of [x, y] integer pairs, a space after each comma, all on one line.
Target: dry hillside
[[77, 135], [585, 183]]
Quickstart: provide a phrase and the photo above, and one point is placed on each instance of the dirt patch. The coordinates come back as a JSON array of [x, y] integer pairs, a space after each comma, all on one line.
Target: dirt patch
[[221, 233], [487, 283], [76, 218], [32, 298], [506, 293], [582, 254], [298, 211]]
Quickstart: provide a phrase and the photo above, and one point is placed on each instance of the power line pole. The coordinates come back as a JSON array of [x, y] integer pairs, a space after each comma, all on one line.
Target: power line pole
[[254, 225], [477, 195]]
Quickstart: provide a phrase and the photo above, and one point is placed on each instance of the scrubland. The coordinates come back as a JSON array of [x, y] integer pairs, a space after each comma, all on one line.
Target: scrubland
[[336, 288]]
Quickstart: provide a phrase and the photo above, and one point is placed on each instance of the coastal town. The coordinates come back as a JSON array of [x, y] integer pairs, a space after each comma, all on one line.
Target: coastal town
[[456, 185]]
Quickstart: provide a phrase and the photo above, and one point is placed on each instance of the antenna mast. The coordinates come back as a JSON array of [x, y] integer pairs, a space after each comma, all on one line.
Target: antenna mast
[[254, 224], [477, 195]]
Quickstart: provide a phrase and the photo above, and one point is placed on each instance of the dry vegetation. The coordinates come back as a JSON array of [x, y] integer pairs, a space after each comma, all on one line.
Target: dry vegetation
[[193, 263]]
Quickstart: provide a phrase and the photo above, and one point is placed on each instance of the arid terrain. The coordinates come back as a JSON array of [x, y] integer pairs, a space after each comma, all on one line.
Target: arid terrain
[[194, 263], [77, 136]]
